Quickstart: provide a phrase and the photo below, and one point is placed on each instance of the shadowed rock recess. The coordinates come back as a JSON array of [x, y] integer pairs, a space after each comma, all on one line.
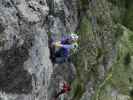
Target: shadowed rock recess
[[102, 68], [14, 78]]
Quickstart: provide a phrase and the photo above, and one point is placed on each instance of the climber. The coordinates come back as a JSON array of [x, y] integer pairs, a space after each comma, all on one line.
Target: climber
[[63, 48], [65, 88]]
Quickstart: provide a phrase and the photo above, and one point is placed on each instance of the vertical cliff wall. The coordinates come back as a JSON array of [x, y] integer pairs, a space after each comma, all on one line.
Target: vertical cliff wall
[[101, 69], [24, 54]]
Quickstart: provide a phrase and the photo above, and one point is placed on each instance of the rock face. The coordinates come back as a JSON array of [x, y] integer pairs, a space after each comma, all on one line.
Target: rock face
[[102, 68], [24, 54]]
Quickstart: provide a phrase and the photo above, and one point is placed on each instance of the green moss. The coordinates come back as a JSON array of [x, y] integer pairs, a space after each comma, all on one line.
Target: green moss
[[131, 93], [118, 2], [77, 89], [127, 59], [85, 31], [85, 26], [118, 31], [78, 85], [128, 3], [83, 4], [122, 67], [122, 78], [131, 38], [128, 20]]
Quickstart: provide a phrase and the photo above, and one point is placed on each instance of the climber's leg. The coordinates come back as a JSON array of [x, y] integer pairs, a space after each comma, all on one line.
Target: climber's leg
[[60, 60], [59, 56], [69, 59], [58, 94]]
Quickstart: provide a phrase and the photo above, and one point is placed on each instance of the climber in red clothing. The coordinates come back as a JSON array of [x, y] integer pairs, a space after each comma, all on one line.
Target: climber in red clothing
[[66, 88]]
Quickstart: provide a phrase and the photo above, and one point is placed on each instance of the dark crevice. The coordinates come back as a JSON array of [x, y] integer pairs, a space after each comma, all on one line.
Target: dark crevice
[[127, 59], [130, 80], [51, 6], [41, 2], [105, 61], [7, 4], [2, 28], [31, 7], [131, 93], [14, 78]]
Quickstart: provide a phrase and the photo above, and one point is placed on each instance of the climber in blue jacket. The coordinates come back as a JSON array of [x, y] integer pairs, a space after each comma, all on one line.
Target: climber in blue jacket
[[64, 46]]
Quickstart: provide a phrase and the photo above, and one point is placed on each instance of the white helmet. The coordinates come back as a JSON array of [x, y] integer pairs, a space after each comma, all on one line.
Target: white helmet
[[74, 36]]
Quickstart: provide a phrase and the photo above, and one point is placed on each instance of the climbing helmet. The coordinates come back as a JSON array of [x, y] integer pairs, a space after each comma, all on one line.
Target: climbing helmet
[[74, 36]]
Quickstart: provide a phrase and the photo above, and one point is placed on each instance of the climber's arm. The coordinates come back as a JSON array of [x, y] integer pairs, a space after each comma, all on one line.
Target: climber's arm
[[57, 44], [70, 46], [66, 46]]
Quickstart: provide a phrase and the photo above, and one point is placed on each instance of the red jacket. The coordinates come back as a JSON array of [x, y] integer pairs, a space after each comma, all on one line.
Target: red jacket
[[66, 88]]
